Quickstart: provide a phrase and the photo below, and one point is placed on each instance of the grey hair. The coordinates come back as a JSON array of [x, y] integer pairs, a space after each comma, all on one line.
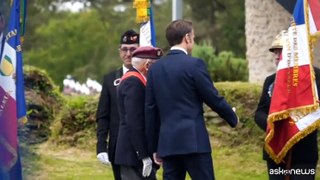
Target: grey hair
[[138, 62]]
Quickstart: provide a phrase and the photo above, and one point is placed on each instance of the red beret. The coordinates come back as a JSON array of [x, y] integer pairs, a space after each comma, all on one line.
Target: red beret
[[147, 52]]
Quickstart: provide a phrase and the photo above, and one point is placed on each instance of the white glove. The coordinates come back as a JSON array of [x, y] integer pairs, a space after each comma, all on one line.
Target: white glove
[[147, 167], [103, 158], [235, 111]]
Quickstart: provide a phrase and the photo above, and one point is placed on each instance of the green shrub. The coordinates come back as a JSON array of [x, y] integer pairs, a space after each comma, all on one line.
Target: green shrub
[[43, 101], [76, 124], [76, 121], [244, 97], [224, 66]]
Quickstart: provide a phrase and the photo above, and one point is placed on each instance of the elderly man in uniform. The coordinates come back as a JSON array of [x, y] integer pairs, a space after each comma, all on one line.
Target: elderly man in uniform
[[107, 113], [131, 152]]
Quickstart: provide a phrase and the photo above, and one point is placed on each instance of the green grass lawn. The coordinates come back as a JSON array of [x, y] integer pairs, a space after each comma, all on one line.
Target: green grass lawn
[[50, 162], [239, 163], [46, 162]]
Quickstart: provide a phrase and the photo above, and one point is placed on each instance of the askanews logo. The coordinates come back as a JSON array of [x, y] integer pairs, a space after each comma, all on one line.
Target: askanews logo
[[280, 171]]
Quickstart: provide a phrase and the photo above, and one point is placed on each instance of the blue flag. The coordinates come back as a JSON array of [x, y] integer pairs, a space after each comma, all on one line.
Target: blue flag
[[12, 97]]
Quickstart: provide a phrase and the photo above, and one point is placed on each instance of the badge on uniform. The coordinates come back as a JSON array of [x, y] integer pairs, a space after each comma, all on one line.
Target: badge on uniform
[[116, 82], [270, 90]]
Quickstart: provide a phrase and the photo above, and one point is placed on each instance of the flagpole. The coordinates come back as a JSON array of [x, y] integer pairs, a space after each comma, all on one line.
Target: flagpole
[[176, 9], [23, 15], [288, 164]]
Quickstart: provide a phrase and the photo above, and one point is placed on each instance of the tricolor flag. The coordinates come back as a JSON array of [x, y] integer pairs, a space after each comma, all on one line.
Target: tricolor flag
[[294, 111], [12, 99], [145, 19]]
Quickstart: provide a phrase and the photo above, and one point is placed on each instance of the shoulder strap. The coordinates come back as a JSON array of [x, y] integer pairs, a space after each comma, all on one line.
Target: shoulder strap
[[136, 74]]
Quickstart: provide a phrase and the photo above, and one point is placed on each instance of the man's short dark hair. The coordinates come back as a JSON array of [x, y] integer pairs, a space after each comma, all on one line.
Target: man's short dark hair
[[176, 30]]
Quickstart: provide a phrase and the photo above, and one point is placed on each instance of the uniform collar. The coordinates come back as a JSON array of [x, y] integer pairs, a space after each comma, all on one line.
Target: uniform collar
[[140, 73]]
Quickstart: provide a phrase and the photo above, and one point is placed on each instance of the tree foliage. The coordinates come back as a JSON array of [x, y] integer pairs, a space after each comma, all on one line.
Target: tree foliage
[[74, 45], [85, 44], [224, 66], [222, 22]]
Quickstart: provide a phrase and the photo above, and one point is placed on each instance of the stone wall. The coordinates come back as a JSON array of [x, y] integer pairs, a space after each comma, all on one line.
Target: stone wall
[[264, 19]]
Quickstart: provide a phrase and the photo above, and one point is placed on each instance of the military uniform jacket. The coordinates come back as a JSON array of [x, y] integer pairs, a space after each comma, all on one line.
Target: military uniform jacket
[[306, 150], [131, 146], [177, 87], [107, 115]]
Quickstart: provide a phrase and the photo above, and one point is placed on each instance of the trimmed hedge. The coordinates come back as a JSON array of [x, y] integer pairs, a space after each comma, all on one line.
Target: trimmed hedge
[[76, 124], [244, 97]]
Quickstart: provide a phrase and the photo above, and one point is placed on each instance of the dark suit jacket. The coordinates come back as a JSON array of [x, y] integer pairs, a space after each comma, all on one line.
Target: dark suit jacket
[[177, 87], [107, 115], [306, 150], [131, 145]]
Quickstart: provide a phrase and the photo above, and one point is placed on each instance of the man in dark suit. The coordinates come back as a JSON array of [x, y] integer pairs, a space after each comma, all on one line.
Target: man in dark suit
[[107, 114], [131, 152], [178, 85], [304, 154]]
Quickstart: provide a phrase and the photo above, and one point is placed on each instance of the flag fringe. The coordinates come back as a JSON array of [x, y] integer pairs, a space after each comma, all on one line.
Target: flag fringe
[[315, 35], [278, 158], [282, 115], [306, 19]]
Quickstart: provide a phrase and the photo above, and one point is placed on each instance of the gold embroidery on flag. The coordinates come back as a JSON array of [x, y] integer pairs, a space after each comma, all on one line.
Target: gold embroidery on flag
[[6, 67]]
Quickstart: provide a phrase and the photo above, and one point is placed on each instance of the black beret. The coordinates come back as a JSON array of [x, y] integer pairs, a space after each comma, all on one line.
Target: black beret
[[147, 52], [129, 37]]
